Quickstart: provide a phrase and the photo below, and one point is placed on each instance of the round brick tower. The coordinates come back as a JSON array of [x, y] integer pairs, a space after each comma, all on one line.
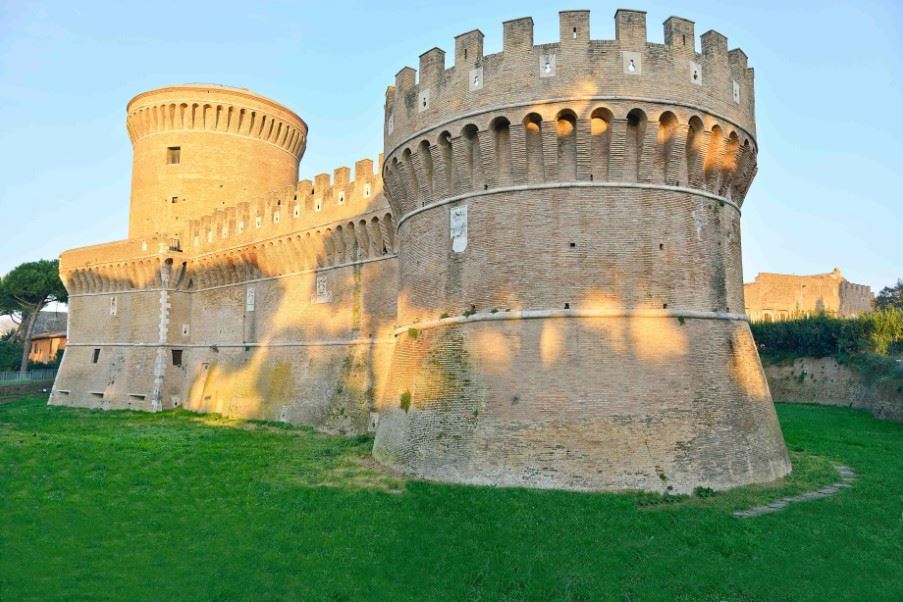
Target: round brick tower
[[571, 294], [198, 147]]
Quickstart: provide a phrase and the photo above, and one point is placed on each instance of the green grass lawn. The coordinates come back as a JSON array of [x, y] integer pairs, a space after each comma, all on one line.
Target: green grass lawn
[[174, 506]]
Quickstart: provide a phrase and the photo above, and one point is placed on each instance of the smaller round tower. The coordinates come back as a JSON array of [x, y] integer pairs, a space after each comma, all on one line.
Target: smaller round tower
[[199, 146]]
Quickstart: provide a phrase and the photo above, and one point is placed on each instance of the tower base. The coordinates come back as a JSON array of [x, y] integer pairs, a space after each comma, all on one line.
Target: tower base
[[582, 400]]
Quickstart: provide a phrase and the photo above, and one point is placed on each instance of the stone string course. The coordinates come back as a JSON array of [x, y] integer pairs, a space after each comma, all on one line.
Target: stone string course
[[589, 191]]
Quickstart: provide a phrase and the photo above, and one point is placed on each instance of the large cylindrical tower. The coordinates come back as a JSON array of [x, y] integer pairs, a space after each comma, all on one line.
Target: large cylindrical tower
[[571, 292], [198, 147]]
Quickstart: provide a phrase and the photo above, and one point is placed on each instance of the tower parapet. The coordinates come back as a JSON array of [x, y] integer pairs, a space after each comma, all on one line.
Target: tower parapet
[[576, 69], [569, 259]]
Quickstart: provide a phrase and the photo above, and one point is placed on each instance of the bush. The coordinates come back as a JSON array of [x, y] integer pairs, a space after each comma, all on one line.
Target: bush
[[814, 336], [877, 332], [883, 330]]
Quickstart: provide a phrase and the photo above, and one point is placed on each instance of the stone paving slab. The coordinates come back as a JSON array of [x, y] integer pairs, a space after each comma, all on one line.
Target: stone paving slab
[[847, 475]]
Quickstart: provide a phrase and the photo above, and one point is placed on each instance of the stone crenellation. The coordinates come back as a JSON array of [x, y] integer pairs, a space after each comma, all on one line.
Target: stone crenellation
[[576, 67], [538, 284]]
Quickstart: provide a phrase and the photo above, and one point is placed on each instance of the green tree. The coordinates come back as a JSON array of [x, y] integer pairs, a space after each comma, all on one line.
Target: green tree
[[890, 296], [25, 291], [10, 351]]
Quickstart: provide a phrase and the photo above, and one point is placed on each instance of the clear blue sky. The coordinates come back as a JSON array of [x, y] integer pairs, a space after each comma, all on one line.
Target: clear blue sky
[[829, 96]]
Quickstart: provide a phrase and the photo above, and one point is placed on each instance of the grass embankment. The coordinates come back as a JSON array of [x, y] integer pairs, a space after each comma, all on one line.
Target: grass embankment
[[173, 506]]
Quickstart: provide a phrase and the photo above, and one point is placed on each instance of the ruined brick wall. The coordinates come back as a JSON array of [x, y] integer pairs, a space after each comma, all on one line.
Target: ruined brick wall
[[785, 296], [570, 293]]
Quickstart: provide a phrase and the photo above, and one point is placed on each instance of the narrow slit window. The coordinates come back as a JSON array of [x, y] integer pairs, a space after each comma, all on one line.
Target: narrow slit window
[[96, 356], [177, 358], [574, 33], [174, 155]]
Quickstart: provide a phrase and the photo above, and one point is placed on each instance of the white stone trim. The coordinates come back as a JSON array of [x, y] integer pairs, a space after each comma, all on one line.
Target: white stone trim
[[546, 314]]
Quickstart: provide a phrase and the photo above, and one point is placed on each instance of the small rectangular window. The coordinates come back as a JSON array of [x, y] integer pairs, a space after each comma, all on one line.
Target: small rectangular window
[[173, 154], [177, 357], [96, 356]]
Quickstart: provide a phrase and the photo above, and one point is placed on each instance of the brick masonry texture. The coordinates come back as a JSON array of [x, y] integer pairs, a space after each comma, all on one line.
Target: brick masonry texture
[[548, 292]]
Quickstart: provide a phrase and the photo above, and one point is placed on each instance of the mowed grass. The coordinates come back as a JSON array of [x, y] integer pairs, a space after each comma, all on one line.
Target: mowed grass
[[174, 506]]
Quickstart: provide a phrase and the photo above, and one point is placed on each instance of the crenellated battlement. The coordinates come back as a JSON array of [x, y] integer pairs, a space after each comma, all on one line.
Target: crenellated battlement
[[590, 112], [120, 266], [310, 204], [327, 221], [577, 69]]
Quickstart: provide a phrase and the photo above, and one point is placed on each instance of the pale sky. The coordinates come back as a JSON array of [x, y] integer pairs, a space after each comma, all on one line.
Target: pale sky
[[829, 93]]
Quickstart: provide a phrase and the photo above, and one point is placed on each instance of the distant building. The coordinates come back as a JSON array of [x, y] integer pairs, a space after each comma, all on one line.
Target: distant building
[[49, 336], [51, 321], [775, 297], [45, 346]]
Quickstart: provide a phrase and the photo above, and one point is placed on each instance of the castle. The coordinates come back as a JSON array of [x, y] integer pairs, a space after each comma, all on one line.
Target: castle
[[540, 286], [773, 297]]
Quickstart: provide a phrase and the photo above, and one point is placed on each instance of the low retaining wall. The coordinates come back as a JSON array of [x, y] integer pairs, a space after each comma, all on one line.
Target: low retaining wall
[[25, 389], [824, 381]]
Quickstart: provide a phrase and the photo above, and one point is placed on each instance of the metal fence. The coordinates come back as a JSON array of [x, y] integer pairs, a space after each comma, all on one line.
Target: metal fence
[[40, 374]]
